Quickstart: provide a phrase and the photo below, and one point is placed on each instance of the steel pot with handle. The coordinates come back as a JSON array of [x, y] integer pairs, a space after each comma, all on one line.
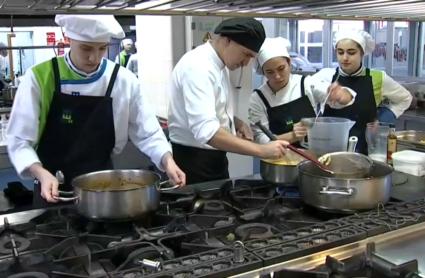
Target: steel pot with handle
[[278, 172], [344, 195], [116, 194], [282, 171]]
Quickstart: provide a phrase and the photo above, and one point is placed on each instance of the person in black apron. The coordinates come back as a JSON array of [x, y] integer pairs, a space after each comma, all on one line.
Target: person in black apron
[[362, 111], [350, 49], [284, 94], [79, 134], [283, 117], [378, 97], [64, 117], [201, 120]]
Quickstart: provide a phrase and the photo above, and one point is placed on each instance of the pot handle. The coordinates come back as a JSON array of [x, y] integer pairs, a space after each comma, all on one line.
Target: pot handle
[[66, 199], [337, 191], [166, 188]]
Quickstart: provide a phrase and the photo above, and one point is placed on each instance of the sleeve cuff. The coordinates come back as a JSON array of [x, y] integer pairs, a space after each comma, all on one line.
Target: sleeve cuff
[[207, 131]]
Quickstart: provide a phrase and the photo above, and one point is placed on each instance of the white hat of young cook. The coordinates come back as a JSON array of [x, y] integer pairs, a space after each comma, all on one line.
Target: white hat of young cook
[[90, 28], [271, 48], [363, 38]]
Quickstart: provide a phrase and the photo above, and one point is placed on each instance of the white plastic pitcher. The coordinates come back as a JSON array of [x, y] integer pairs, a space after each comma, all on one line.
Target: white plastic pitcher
[[327, 134]]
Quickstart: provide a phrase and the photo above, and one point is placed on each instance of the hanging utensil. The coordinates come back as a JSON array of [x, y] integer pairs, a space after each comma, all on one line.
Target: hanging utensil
[[294, 149]]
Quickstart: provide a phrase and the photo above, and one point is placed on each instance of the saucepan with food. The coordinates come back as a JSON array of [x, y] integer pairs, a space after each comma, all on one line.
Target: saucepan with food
[[116, 194], [281, 171]]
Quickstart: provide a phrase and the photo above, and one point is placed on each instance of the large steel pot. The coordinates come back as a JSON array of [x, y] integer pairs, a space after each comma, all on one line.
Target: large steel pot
[[346, 195], [116, 194]]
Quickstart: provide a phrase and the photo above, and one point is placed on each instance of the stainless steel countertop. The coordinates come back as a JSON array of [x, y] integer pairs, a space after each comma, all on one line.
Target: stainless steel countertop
[[386, 246], [417, 113]]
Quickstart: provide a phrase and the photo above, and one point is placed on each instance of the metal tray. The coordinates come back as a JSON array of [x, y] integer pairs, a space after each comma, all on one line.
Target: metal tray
[[412, 139]]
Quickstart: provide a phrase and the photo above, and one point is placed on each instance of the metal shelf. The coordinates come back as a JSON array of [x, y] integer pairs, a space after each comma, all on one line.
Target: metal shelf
[[389, 10]]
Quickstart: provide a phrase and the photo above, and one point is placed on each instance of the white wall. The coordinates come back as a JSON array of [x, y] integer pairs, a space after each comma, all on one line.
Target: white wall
[[155, 59]]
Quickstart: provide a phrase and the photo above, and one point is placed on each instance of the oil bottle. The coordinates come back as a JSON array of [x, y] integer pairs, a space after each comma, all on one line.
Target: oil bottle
[[391, 144]]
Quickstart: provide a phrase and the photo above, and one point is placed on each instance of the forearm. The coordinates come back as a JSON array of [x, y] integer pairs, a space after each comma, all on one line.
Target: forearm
[[289, 136], [37, 171], [225, 141]]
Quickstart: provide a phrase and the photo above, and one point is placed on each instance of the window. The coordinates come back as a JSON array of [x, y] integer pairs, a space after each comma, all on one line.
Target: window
[[401, 46], [311, 40], [379, 55]]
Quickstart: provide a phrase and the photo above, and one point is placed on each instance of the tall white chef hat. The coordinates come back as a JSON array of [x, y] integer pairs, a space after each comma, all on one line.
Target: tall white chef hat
[[363, 38], [90, 28], [271, 48]]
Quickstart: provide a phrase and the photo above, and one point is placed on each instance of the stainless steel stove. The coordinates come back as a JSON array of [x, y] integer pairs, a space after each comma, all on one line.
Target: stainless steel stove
[[234, 227]]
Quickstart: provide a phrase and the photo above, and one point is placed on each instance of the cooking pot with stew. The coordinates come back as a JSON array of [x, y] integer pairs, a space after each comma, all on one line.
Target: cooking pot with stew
[[116, 194], [281, 171], [345, 194]]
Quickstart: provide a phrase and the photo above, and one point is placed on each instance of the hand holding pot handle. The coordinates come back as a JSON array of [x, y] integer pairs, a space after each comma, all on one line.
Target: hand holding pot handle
[[166, 188], [61, 179]]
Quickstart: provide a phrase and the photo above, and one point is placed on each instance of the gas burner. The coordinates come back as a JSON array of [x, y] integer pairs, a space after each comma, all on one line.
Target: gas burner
[[8, 243], [254, 231], [31, 274], [252, 194], [213, 206]]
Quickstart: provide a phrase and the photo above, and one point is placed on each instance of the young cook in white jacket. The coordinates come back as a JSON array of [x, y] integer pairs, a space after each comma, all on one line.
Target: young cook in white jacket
[[201, 120], [70, 113], [285, 98], [379, 97]]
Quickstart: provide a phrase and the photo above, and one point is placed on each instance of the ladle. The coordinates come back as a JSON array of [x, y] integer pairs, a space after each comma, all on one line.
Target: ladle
[[323, 104], [294, 149]]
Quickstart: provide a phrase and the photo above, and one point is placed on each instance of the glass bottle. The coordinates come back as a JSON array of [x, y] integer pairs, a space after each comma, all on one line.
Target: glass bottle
[[391, 144]]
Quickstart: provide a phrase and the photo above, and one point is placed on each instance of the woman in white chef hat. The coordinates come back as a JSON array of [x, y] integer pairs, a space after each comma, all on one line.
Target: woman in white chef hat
[[71, 112], [372, 86], [285, 98]]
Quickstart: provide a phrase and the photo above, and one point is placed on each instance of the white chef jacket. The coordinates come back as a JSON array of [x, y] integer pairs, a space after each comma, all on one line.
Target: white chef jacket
[[314, 89], [399, 98], [133, 116], [132, 64], [201, 98]]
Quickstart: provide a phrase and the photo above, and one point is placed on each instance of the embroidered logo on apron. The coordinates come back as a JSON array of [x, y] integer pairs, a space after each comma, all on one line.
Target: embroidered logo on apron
[[67, 117]]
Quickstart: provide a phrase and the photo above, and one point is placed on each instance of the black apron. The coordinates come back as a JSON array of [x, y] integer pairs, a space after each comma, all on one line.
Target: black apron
[[201, 165], [79, 134], [362, 111], [283, 117]]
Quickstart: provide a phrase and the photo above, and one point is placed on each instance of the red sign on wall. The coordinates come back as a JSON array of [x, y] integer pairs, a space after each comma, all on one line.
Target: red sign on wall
[[51, 38]]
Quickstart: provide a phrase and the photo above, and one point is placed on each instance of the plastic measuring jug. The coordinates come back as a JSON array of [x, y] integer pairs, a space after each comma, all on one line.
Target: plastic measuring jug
[[327, 134]]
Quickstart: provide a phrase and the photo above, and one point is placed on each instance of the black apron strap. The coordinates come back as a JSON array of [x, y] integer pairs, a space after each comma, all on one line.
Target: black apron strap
[[302, 86], [335, 75], [263, 98], [112, 80], [56, 74]]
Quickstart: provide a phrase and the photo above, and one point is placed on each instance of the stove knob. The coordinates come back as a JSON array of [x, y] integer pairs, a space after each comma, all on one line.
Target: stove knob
[[151, 264], [239, 250]]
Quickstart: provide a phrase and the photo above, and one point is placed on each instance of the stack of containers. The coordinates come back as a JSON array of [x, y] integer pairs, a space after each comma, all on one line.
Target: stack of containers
[[410, 162]]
